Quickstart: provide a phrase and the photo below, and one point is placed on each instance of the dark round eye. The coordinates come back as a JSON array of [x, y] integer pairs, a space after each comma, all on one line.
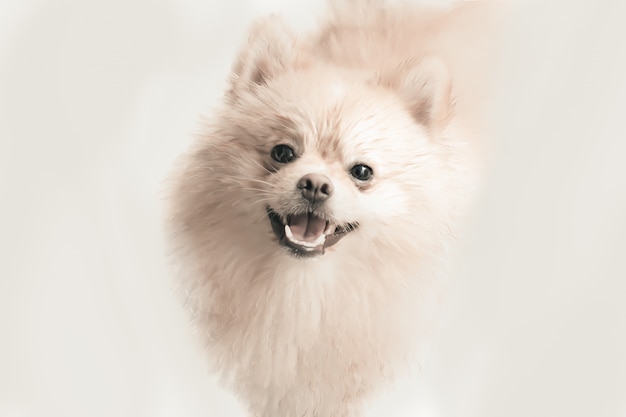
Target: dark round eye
[[361, 172], [283, 154]]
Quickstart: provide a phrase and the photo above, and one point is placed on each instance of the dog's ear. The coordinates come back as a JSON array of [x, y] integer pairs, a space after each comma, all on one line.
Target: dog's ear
[[426, 87], [271, 49]]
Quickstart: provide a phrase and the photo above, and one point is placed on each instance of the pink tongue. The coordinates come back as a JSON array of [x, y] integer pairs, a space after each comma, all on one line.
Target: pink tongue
[[306, 227]]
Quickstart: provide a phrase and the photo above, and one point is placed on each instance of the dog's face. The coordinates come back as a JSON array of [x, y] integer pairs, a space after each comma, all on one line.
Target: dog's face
[[329, 161], [326, 157], [313, 157]]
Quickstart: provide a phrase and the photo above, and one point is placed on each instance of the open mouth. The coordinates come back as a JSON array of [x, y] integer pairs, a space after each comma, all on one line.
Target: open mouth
[[307, 234]]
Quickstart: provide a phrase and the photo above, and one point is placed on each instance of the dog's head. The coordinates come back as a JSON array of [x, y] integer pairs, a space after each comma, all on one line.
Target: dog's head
[[311, 156]]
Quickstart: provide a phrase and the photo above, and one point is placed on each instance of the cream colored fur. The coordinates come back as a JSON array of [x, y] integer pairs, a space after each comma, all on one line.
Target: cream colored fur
[[391, 86]]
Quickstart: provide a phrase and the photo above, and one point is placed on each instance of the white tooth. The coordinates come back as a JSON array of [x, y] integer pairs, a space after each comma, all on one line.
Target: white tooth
[[288, 232], [330, 229], [312, 245], [320, 240]]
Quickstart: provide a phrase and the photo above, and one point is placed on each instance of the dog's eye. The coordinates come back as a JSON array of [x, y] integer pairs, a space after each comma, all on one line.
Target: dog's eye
[[283, 154], [361, 172]]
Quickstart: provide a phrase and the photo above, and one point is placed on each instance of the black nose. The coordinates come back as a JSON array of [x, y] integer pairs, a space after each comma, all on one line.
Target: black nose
[[315, 187]]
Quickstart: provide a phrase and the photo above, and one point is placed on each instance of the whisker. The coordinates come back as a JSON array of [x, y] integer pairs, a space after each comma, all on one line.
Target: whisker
[[257, 189], [261, 166], [252, 180]]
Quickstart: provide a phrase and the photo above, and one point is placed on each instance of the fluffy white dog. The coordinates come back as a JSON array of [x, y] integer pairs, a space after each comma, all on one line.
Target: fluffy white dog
[[312, 217]]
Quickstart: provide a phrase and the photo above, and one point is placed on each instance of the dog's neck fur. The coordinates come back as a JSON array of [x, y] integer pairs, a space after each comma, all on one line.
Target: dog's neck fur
[[293, 337]]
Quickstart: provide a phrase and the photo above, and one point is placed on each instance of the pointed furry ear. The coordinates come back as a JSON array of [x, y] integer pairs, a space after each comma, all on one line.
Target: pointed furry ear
[[270, 50], [426, 87]]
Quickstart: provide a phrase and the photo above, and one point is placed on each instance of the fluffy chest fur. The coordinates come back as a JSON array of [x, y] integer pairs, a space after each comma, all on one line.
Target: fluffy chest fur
[[311, 340]]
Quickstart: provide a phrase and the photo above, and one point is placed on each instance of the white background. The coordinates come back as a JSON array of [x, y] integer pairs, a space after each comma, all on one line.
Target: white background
[[98, 97]]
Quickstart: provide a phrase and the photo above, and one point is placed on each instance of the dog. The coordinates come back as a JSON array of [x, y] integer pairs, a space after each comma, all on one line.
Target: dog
[[311, 220]]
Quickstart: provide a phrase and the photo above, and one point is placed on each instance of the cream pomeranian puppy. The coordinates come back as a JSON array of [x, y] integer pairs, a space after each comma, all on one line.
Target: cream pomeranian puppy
[[312, 216]]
